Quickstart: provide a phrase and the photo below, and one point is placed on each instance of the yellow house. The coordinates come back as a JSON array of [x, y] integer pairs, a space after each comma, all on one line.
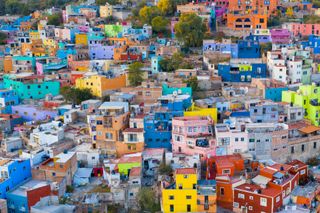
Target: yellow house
[[50, 42], [81, 39], [100, 84], [198, 111], [105, 11], [183, 196], [34, 35]]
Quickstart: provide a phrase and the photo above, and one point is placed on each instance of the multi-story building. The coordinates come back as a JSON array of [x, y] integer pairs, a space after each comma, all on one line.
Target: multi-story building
[[107, 127], [253, 7], [231, 139], [101, 84], [158, 125], [187, 194], [302, 29], [47, 134], [267, 112], [8, 98], [13, 173], [307, 97], [226, 46], [61, 167], [242, 70], [193, 135], [246, 22], [268, 140], [313, 42], [290, 65], [28, 86], [105, 10]]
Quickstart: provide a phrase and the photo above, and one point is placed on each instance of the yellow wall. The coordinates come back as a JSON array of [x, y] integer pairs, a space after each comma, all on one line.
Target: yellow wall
[[100, 84], [197, 111], [186, 181], [105, 11], [81, 39], [34, 35], [180, 200]]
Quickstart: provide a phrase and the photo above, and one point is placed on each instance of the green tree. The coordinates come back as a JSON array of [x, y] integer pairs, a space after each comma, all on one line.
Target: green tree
[[147, 200], [148, 13], [3, 38], [55, 19], [165, 169], [166, 7], [193, 83], [159, 24], [190, 30], [14, 7], [175, 62], [76, 95], [135, 73]]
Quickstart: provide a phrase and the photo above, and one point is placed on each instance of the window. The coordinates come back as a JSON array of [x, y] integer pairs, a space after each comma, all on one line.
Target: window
[[109, 135], [250, 207], [314, 145], [242, 139], [241, 196], [251, 197], [292, 149], [251, 140], [226, 171], [188, 208], [263, 201], [185, 176], [278, 199], [171, 208], [236, 139], [302, 172], [221, 191], [188, 197], [171, 197], [302, 148], [235, 205], [53, 174]]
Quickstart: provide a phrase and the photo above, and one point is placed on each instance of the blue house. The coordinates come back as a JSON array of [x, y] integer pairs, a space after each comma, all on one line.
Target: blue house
[[242, 70], [274, 93], [158, 126], [166, 90], [13, 173], [21, 198], [222, 47], [248, 49], [313, 42], [8, 98]]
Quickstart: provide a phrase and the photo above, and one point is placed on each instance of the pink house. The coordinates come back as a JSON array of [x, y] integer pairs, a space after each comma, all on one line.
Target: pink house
[[280, 36], [193, 135], [302, 29]]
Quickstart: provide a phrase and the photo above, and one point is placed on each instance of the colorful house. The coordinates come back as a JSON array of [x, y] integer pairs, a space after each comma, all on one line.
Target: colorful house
[[167, 90], [28, 86], [8, 98], [307, 97], [193, 136], [100, 85], [188, 194], [14, 173], [198, 111], [242, 70]]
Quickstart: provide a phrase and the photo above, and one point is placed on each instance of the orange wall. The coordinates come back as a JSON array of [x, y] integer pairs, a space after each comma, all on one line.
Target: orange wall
[[7, 64]]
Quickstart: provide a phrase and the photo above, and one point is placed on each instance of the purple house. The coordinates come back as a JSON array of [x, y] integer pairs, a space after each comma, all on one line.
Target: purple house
[[100, 51], [33, 113], [280, 36]]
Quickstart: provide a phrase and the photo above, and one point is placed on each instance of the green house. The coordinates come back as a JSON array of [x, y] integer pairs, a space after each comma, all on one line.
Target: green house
[[308, 97], [125, 164], [29, 86]]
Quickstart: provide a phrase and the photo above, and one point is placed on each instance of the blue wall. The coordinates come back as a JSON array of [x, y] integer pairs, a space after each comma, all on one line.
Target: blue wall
[[231, 73], [19, 171], [274, 94], [249, 49]]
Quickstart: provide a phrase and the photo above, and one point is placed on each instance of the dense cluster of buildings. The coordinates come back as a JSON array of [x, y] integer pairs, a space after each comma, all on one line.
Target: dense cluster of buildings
[[239, 131]]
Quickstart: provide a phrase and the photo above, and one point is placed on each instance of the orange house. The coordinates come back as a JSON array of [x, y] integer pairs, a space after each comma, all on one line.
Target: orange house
[[121, 45], [7, 64], [258, 6], [133, 142], [246, 21], [224, 165]]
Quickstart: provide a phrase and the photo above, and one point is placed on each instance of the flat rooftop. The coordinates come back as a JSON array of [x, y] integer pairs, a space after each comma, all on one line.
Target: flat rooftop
[[30, 185]]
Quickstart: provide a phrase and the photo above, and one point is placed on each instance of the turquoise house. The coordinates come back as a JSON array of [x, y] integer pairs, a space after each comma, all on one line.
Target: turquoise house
[[166, 90], [28, 86], [155, 66]]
